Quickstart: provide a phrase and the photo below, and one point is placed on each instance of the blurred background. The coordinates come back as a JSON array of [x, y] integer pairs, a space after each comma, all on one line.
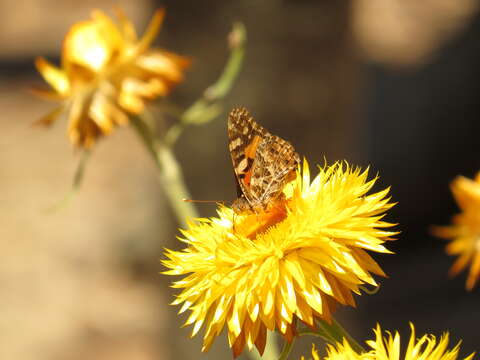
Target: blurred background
[[390, 83]]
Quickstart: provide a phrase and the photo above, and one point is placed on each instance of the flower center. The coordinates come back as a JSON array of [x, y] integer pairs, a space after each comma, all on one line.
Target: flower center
[[278, 254], [254, 224]]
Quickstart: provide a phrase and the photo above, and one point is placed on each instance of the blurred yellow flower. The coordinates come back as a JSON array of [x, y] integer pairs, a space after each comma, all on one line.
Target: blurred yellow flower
[[107, 72], [388, 348], [464, 232], [253, 272]]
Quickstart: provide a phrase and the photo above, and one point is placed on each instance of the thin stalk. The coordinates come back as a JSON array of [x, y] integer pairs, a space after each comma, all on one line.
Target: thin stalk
[[287, 347], [169, 172], [236, 40], [174, 185], [76, 183], [318, 333], [353, 343], [334, 332], [207, 108]]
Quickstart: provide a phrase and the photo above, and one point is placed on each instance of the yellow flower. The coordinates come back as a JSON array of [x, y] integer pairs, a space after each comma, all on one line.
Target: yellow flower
[[343, 351], [388, 348], [314, 354], [107, 72], [464, 233], [253, 272]]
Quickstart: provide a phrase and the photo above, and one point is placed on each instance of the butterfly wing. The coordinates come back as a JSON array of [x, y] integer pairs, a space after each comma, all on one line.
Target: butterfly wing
[[274, 166], [244, 136], [263, 163]]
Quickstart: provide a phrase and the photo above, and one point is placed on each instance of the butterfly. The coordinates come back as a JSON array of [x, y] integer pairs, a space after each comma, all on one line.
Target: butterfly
[[263, 163]]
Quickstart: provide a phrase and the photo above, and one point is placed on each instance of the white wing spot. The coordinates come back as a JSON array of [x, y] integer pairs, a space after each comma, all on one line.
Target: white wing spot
[[235, 143], [243, 164]]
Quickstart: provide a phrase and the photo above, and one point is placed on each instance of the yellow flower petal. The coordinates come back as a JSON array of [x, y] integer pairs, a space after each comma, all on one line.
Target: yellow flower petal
[[53, 75], [464, 233], [388, 347], [50, 118], [296, 261], [152, 30], [126, 26], [107, 74], [105, 114], [92, 43], [164, 63]]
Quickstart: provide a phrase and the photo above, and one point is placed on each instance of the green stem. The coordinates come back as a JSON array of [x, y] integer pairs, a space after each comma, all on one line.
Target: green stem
[[335, 333], [225, 82], [169, 172], [207, 108], [174, 185], [319, 333], [76, 183], [287, 347]]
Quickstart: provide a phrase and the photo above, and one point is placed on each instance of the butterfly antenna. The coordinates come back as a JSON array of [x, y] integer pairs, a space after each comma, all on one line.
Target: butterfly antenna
[[204, 201]]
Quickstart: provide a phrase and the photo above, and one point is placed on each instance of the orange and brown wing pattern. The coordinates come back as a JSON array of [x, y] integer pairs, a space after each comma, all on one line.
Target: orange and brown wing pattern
[[244, 136], [275, 163], [262, 162]]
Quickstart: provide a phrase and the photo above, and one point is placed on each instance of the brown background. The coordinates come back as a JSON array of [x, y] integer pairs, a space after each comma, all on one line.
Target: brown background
[[394, 84]]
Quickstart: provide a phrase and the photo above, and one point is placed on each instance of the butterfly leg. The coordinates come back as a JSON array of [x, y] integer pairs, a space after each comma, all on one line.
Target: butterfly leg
[[233, 221]]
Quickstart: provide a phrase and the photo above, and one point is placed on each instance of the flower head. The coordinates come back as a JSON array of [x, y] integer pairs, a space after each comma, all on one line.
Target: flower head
[[388, 347], [253, 272], [106, 74], [464, 232]]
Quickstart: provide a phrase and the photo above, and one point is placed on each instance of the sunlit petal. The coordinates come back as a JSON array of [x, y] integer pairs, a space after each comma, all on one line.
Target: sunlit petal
[[293, 262], [108, 74], [54, 76], [388, 346]]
